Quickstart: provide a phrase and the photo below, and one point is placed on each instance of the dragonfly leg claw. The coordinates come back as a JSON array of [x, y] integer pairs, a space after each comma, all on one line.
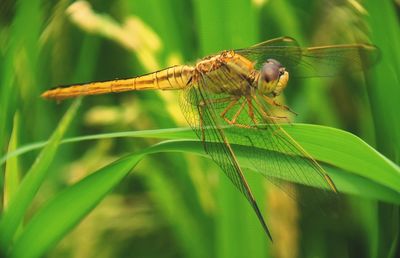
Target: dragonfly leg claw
[[231, 122], [268, 117], [273, 102], [277, 118]]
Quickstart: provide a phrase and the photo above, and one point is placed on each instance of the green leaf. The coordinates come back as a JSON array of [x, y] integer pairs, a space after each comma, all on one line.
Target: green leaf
[[355, 166], [384, 90], [12, 171], [14, 214], [347, 155], [69, 207]]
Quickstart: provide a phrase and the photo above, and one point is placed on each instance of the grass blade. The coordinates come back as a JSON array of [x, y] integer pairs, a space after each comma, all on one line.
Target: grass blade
[[13, 215], [66, 210], [12, 172]]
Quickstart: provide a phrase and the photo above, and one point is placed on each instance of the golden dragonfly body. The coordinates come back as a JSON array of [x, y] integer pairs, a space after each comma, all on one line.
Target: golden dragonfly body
[[179, 77]]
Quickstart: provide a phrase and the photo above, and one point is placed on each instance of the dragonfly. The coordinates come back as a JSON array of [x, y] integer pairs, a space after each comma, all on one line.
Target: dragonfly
[[230, 100]]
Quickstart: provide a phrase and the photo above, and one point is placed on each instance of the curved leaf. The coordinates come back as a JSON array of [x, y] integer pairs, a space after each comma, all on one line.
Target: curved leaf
[[332, 146], [355, 167]]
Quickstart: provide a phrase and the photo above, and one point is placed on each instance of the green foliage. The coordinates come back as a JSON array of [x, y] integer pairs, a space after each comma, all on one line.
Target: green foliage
[[73, 203], [14, 213], [56, 197]]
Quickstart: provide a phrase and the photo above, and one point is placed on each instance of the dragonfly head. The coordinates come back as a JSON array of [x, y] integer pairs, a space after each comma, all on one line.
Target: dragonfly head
[[273, 78]]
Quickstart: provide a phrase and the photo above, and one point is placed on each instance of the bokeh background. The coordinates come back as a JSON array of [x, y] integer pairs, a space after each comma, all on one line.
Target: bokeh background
[[181, 205]]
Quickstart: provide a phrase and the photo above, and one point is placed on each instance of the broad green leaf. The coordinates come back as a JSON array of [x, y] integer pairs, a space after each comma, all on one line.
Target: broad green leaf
[[70, 206], [341, 150]]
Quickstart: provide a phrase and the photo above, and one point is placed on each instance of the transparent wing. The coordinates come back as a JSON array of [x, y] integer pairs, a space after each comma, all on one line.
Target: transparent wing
[[255, 136], [273, 152], [322, 61], [200, 111], [284, 49]]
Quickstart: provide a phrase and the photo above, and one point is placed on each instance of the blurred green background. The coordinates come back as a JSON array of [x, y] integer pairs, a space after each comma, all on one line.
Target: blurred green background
[[181, 205]]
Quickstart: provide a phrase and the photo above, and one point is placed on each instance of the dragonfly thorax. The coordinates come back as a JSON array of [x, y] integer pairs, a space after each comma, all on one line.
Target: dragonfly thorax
[[272, 78]]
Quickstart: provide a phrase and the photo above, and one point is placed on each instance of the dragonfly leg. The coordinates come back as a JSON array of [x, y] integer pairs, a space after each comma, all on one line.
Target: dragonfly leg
[[201, 106], [273, 102], [236, 115], [230, 105], [278, 118], [267, 116], [251, 111]]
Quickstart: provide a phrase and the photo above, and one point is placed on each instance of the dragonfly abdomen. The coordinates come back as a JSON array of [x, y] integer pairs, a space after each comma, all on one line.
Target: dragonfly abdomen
[[173, 78]]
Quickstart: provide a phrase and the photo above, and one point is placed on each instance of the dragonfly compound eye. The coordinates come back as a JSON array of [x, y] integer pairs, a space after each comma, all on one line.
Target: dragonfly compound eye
[[270, 72], [273, 61], [273, 78]]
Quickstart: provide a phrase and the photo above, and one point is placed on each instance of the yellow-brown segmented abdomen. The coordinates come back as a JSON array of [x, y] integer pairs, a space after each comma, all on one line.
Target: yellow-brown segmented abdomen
[[173, 78]]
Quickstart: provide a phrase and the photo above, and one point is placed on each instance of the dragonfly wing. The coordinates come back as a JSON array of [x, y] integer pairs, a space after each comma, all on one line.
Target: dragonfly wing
[[329, 61], [201, 109], [284, 49], [259, 141], [322, 61], [265, 147], [272, 151]]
